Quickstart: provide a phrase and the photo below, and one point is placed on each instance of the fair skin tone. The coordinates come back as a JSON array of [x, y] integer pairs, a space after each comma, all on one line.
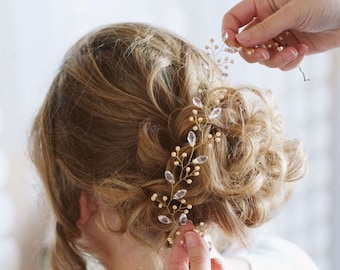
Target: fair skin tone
[[314, 24], [112, 248]]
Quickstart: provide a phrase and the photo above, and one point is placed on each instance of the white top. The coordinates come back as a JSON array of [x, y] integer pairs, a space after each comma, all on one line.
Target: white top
[[271, 253]]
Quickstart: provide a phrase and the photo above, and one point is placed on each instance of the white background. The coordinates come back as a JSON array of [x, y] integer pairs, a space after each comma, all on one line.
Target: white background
[[34, 37]]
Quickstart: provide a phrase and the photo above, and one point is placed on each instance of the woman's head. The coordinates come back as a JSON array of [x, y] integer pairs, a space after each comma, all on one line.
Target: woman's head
[[115, 112]]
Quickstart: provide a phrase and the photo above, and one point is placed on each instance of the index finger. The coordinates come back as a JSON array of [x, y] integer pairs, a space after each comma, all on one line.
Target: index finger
[[238, 16]]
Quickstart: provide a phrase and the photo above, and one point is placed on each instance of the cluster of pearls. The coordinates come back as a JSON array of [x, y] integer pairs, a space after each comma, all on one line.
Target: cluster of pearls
[[175, 203], [276, 44], [215, 51]]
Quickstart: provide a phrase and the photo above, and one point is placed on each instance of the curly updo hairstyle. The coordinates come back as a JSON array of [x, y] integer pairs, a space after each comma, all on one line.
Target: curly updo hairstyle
[[119, 106]]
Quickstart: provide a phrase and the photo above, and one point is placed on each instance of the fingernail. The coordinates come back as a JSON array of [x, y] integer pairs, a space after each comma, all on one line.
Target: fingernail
[[262, 55], [289, 55], [225, 36], [191, 239], [302, 49], [243, 37]]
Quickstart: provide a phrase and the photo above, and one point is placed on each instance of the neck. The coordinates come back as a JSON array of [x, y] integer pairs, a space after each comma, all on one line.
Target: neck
[[125, 253], [117, 251]]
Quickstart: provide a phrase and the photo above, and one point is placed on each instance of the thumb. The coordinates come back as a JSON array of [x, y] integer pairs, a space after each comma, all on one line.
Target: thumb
[[279, 21], [198, 251]]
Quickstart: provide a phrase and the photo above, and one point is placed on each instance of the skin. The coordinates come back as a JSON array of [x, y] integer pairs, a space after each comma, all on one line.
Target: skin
[[189, 248], [189, 251], [314, 27]]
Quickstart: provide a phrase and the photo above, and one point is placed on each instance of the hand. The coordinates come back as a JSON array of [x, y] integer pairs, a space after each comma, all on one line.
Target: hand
[[314, 26], [189, 251]]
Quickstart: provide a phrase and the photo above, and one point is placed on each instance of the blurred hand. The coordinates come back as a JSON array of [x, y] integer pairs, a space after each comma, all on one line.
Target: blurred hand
[[189, 251], [314, 27]]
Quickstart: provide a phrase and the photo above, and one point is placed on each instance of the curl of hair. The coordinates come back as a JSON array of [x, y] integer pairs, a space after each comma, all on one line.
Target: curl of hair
[[114, 113]]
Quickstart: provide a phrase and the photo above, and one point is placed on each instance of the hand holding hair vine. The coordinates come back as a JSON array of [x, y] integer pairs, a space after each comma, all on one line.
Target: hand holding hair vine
[[273, 46], [276, 44]]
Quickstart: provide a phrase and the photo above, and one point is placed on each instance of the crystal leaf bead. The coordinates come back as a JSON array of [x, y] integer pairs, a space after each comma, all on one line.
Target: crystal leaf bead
[[180, 194], [200, 160], [191, 138], [164, 219], [205, 65], [197, 102], [169, 177], [183, 219], [215, 113]]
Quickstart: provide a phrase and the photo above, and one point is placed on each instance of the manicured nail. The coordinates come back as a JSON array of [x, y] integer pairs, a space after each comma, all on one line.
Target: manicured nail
[[262, 55], [289, 55], [225, 36], [302, 49]]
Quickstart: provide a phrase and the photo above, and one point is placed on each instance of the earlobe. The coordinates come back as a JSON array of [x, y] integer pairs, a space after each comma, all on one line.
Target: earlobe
[[87, 207]]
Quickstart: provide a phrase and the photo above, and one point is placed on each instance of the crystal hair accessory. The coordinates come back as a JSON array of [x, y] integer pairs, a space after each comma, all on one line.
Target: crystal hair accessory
[[187, 163], [215, 51], [186, 167]]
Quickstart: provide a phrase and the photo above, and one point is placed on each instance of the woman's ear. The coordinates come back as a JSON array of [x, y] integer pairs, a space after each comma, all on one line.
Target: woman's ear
[[87, 208]]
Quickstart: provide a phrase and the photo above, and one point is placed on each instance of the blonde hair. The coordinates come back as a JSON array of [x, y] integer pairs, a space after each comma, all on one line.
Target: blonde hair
[[116, 110]]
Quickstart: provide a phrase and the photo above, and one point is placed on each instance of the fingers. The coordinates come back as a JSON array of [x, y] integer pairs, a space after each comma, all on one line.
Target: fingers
[[283, 51], [199, 256], [273, 23], [267, 29], [258, 55], [287, 59], [301, 50], [189, 251], [216, 264], [239, 16]]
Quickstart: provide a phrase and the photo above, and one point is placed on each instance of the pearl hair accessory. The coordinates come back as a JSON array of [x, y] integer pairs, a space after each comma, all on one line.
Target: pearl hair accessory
[[186, 163], [214, 52], [186, 167]]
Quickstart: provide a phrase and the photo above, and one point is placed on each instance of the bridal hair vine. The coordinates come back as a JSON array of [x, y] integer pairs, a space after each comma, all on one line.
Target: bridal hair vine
[[214, 51], [186, 167], [187, 163]]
